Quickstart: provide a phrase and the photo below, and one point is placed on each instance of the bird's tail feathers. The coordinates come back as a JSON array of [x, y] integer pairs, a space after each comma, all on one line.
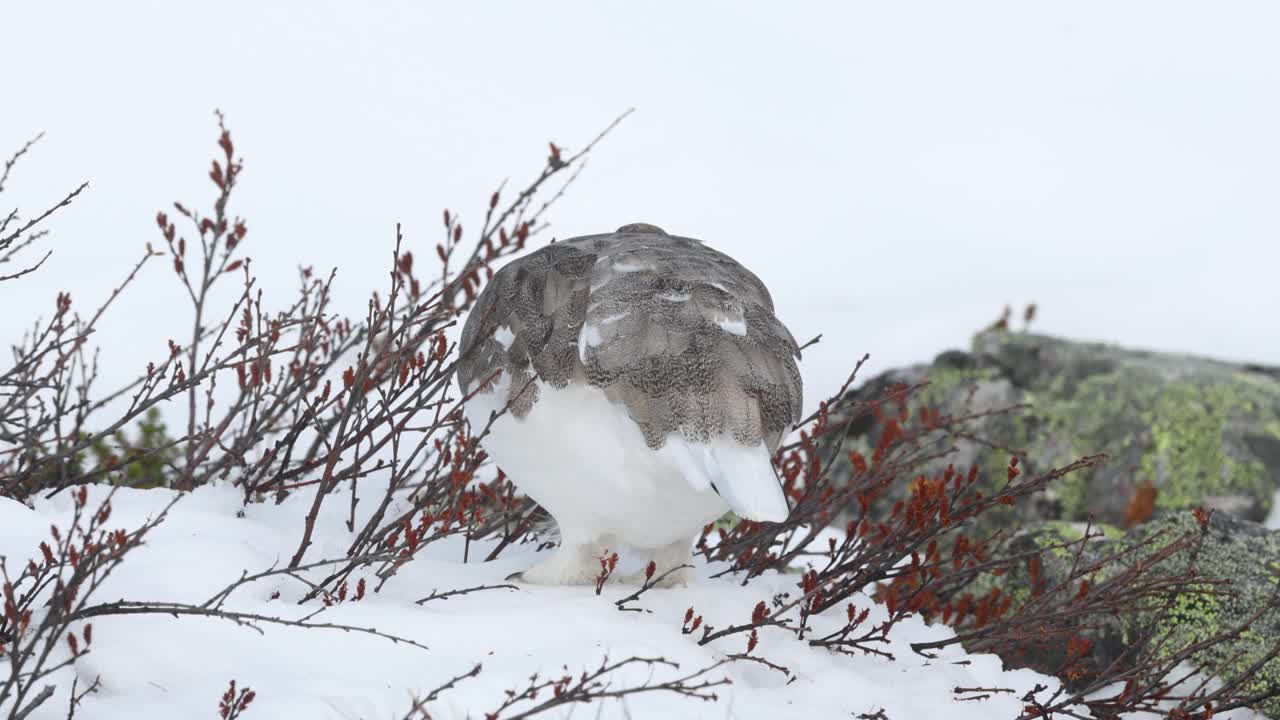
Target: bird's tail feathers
[[743, 476]]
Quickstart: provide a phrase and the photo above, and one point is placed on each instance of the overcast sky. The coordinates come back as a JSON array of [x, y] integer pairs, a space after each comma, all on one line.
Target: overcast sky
[[895, 172]]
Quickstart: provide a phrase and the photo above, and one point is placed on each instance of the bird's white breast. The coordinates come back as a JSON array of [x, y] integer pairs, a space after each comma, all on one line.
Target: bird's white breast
[[583, 459]]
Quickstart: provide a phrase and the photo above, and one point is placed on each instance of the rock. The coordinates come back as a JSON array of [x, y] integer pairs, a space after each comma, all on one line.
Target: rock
[[1246, 553], [1203, 432]]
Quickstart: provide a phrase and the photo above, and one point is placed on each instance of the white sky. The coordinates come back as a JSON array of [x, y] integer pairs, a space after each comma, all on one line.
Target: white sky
[[895, 172]]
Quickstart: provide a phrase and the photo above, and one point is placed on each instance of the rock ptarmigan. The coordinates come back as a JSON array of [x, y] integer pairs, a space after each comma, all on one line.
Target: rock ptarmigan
[[648, 385]]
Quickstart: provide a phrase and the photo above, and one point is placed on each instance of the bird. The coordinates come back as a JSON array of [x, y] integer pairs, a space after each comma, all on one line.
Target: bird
[[636, 385]]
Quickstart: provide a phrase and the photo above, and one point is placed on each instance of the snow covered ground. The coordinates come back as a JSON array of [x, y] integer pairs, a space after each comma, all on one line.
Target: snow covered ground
[[164, 667]]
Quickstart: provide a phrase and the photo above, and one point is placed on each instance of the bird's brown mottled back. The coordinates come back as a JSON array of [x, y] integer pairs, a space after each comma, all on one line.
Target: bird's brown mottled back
[[681, 335]]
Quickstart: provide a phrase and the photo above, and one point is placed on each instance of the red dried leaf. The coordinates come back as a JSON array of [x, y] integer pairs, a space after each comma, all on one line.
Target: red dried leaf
[[1142, 504], [1083, 591], [1202, 516], [858, 461]]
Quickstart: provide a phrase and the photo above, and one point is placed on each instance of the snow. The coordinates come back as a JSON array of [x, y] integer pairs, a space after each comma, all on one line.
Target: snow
[[162, 667]]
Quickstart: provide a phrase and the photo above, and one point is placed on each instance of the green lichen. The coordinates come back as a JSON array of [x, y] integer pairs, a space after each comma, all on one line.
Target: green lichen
[[1261, 385], [1265, 678], [1019, 592], [1060, 538], [944, 381], [1272, 428], [1173, 430], [1065, 530], [1060, 532], [1193, 616], [1069, 531], [1110, 531], [1101, 415], [1187, 453], [1246, 558]]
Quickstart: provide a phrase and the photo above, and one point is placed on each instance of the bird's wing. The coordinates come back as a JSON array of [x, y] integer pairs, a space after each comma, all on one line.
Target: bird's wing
[[686, 339], [527, 321], [680, 335]]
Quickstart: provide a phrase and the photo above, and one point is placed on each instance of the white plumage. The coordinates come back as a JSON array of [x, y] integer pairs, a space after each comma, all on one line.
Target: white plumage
[[640, 407]]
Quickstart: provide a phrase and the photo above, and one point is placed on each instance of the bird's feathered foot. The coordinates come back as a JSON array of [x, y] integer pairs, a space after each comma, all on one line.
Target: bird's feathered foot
[[570, 564], [671, 564]]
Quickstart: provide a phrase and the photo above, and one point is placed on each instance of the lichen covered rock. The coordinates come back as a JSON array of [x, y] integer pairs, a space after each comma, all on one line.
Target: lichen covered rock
[[1245, 553], [1202, 432], [1182, 431]]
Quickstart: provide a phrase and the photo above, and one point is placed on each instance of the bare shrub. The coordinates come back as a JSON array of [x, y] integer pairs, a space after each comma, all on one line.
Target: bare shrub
[[546, 693], [277, 401], [920, 557], [292, 399]]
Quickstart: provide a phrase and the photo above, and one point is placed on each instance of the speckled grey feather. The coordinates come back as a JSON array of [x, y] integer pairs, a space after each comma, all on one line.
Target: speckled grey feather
[[662, 316]]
